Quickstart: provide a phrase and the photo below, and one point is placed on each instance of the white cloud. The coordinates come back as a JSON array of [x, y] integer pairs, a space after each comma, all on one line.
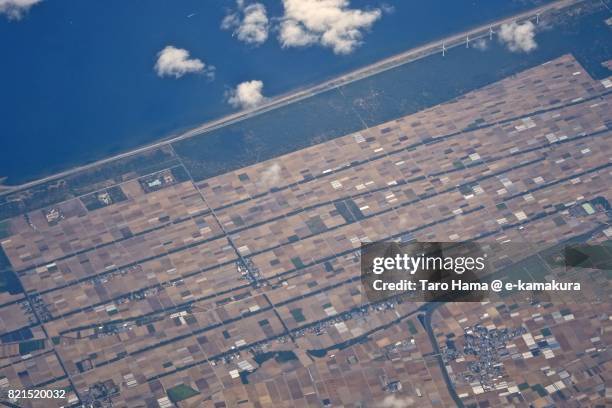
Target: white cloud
[[330, 23], [518, 37], [481, 44], [387, 8], [249, 23], [15, 9], [272, 175], [246, 95], [176, 62]]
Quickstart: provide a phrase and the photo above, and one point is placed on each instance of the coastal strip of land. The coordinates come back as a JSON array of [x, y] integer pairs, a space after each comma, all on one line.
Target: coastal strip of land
[[408, 56]]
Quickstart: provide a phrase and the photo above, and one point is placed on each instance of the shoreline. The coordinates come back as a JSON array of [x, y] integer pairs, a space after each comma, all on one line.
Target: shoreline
[[413, 54]]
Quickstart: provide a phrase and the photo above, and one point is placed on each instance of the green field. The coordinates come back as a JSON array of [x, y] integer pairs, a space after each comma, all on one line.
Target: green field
[[181, 392]]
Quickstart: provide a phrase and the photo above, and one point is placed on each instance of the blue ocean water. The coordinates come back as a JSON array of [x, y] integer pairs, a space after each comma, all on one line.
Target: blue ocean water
[[77, 80], [394, 93]]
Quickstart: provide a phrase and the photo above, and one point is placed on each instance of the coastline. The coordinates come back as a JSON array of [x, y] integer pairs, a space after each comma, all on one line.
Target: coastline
[[299, 94]]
